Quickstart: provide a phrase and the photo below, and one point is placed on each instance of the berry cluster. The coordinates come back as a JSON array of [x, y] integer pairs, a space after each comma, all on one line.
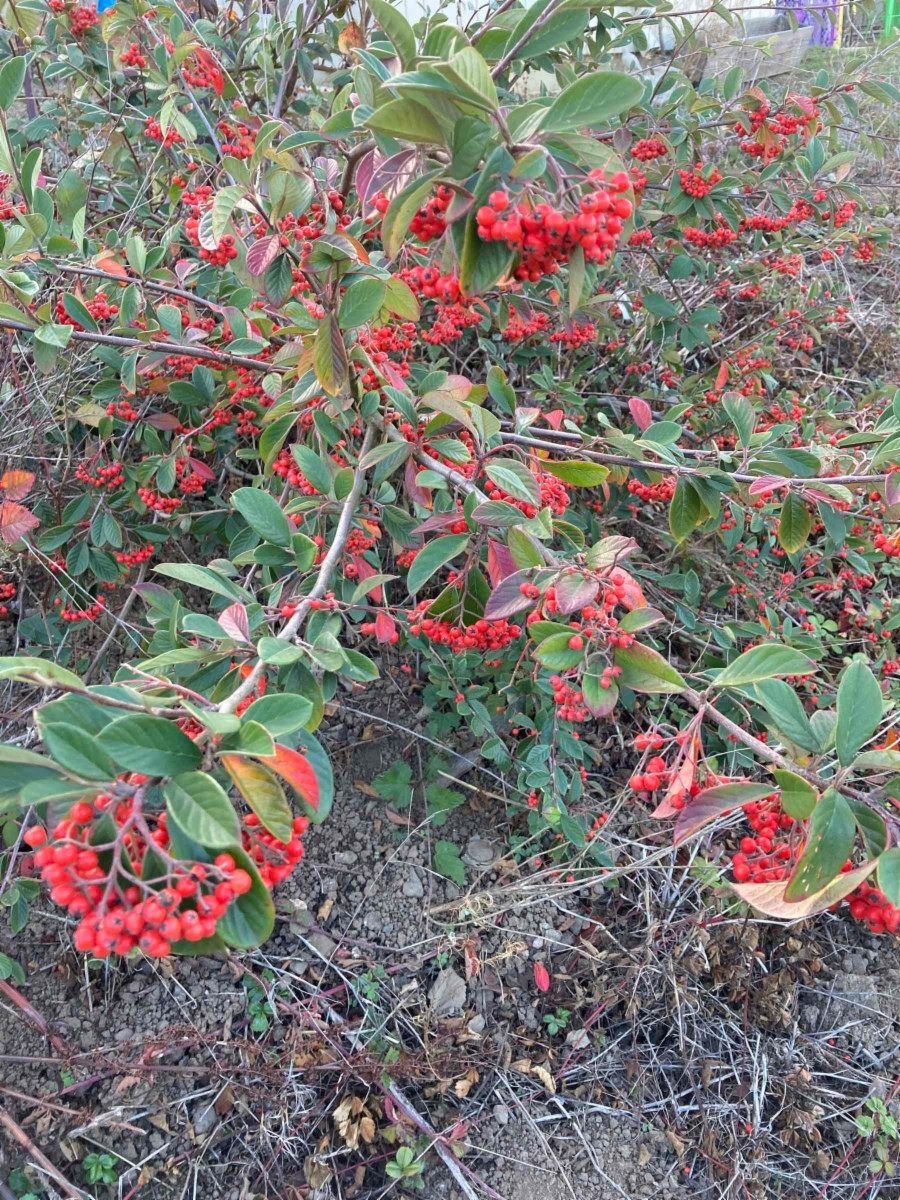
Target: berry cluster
[[545, 236], [160, 504], [133, 557], [715, 240], [132, 57], [662, 491], [81, 614], [481, 635], [238, 140], [430, 222], [646, 149], [766, 857], [110, 477], [82, 18], [285, 465], [697, 185], [554, 495], [579, 333], [202, 71], [153, 130], [99, 308], [871, 906]]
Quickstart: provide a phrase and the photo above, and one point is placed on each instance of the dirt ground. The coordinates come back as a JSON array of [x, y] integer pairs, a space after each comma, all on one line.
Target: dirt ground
[[696, 1056]]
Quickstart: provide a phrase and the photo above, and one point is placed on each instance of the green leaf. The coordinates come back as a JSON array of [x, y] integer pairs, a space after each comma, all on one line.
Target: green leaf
[[402, 209], [202, 810], [223, 206], [330, 356], [205, 578], [397, 28], [644, 670], [783, 705], [742, 415], [251, 738], [686, 510], [889, 875], [395, 784], [830, 839], [273, 437], [798, 798], [78, 311], [860, 705], [280, 714], [440, 802], [592, 100], [769, 661], [248, 920], [515, 479], [794, 523], [314, 469], [447, 862], [471, 76], [264, 515], [659, 306], [263, 793], [12, 76], [77, 751], [361, 302], [871, 827], [432, 557], [149, 745], [576, 473], [555, 653], [407, 120]]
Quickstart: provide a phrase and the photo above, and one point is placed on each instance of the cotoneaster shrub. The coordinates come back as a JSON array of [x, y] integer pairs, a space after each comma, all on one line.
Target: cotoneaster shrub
[[350, 350]]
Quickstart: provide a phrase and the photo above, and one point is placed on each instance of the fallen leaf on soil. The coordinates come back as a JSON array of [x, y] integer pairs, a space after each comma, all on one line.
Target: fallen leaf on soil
[[541, 977], [315, 1172], [225, 1102], [546, 1079], [676, 1143], [365, 789], [644, 1155], [325, 909], [464, 1086], [448, 993]]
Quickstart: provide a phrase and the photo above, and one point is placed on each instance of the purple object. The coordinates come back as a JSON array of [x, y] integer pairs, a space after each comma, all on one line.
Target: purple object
[[820, 16]]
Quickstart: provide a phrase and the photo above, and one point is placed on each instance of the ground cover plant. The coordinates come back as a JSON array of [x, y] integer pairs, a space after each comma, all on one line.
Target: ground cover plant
[[333, 347]]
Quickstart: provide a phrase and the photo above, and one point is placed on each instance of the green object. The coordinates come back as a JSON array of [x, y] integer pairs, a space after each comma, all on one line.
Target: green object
[[890, 13]]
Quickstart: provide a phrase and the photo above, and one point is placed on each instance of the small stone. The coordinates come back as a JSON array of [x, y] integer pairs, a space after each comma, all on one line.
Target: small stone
[[373, 921], [476, 1025], [345, 858], [448, 993], [501, 1114], [577, 1038], [323, 944], [204, 1117], [413, 887], [479, 853]]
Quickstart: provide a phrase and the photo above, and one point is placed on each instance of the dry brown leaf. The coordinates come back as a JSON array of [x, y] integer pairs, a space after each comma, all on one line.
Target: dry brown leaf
[[225, 1102], [463, 1086], [676, 1143], [644, 1155], [127, 1081], [522, 1065], [365, 789], [315, 1172], [546, 1079], [367, 1130], [160, 1121]]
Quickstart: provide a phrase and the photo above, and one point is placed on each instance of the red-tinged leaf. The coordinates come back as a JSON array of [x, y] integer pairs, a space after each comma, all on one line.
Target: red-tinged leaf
[[111, 265], [641, 412], [633, 596], [892, 489], [500, 562], [769, 898], [555, 418], [295, 769], [385, 627], [714, 802], [767, 483], [201, 470], [574, 591], [392, 375], [418, 495], [206, 60], [365, 570], [15, 522], [162, 420], [16, 484], [506, 599], [541, 977], [721, 376], [234, 621], [262, 253], [438, 521], [680, 785]]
